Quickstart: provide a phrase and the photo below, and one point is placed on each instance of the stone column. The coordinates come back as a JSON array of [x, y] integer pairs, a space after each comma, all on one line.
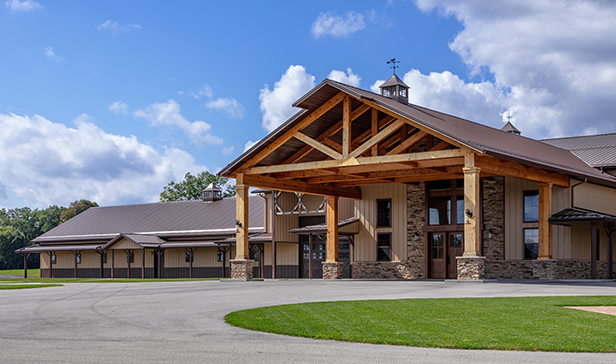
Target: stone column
[[332, 268], [471, 266], [241, 266]]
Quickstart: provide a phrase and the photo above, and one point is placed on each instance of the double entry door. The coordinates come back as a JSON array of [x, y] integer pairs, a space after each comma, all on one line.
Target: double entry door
[[444, 248]]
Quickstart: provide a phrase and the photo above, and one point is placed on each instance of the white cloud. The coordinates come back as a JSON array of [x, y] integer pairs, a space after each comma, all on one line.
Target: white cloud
[[169, 114], [276, 104], [51, 55], [337, 26], [349, 78], [249, 144], [119, 107], [206, 91], [22, 6], [375, 86], [230, 106], [49, 163], [552, 60], [115, 28], [227, 150]]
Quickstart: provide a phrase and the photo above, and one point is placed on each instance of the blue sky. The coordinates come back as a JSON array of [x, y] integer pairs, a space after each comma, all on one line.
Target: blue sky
[[111, 100]]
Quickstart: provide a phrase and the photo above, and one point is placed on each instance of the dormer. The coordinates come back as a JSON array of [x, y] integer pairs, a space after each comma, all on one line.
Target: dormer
[[212, 193]]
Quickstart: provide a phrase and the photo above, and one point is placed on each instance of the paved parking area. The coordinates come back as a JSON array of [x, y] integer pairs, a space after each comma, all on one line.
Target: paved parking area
[[183, 322]]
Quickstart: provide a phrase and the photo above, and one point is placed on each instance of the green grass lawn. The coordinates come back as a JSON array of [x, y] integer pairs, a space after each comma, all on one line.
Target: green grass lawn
[[526, 323], [33, 273], [26, 286], [107, 280]]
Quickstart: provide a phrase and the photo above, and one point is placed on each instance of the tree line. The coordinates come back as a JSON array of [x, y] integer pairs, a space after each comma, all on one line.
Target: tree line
[[19, 226]]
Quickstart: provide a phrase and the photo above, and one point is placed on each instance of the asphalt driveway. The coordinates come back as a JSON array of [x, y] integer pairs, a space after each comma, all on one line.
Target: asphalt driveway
[[183, 322]]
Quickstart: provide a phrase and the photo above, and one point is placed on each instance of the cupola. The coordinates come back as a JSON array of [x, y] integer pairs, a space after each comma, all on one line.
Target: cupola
[[509, 128], [394, 88], [212, 193]]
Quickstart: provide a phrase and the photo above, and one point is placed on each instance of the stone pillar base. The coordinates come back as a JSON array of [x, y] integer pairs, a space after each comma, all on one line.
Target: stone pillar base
[[471, 268], [544, 268], [241, 269], [332, 270]]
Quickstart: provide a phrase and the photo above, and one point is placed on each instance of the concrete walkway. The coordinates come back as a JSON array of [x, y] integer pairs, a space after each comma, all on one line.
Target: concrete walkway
[[183, 322]]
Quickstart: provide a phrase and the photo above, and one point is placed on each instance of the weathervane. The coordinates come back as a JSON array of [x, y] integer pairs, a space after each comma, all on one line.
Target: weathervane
[[509, 116], [393, 64]]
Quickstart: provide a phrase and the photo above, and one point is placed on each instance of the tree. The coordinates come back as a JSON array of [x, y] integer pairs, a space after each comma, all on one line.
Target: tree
[[75, 208], [191, 188]]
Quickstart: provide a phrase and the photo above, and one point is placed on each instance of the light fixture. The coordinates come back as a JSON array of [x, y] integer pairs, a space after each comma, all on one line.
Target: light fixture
[[238, 226], [416, 235], [469, 214]]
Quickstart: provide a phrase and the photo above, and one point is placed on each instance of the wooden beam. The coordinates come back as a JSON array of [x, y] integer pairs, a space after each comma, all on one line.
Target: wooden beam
[[358, 140], [329, 132], [410, 142], [302, 187], [332, 229], [328, 105], [377, 138], [513, 169], [450, 153], [440, 146], [318, 146], [545, 228], [332, 144]]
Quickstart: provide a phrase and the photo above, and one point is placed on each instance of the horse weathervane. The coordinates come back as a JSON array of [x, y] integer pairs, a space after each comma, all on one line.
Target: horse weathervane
[[393, 64]]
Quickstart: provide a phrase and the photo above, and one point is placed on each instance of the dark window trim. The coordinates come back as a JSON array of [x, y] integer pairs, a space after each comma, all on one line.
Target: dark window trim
[[380, 247], [54, 259], [529, 193], [131, 257], [377, 212], [188, 254], [104, 255], [78, 258], [524, 241]]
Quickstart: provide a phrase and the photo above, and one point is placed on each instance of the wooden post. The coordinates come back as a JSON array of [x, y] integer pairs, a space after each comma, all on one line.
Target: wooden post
[[241, 200], [472, 202], [309, 256], [112, 264], [26, 264], [142, 251], [273, 235], [609, 230], [593, 250], [375, 130], [346, 127], [332, 229], [545, 229]]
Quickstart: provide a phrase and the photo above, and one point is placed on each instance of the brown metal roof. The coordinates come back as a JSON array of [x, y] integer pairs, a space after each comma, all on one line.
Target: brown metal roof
[[322, 228], [165, 219], [58, 248], [596, 150], [577, 215], [257, 238], [393, 81], [478, 137]]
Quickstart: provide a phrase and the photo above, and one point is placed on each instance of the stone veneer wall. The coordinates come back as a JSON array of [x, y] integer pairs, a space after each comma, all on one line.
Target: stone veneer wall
[[332, 270]]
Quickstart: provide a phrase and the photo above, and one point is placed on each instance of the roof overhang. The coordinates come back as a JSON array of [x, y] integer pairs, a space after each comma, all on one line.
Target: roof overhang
[[580, 216]]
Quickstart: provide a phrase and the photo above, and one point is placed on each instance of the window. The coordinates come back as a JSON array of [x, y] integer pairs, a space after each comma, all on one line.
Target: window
[[531, 243], [531, 206], [220, 256], [383, 247], [188, 257], [78, 258], [383, 213], [402, 92], [598, 244], [440, 210], [131, 257], [104, 257], [53, 259], [460, 210]]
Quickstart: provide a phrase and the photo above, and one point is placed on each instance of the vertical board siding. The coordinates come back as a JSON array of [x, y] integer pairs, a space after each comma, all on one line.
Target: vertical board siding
[[514, 216], [365, 210], [64, 260], [561, 235], [346, 208], [595, 197], [125, 244]]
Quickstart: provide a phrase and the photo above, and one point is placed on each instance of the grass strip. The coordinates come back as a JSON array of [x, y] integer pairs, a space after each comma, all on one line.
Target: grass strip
[[33, 273], [26, 286], [518, 323]]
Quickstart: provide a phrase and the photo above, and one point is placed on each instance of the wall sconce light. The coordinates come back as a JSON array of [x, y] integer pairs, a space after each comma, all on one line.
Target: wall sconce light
[[238, 226], [468, 214], [416, 235], [490, 233]]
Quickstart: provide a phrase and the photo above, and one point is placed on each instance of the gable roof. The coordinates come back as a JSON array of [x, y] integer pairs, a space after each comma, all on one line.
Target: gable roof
[[596, 150], [164, 219], [475, 136]]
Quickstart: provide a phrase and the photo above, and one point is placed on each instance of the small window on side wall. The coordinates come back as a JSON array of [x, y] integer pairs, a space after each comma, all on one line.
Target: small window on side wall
[[383, 247], [131, 257], [531, 206], [220, 256], [531, 243], [189, 257], [383, 213], [53, 259], [78, 258], [104, 257]]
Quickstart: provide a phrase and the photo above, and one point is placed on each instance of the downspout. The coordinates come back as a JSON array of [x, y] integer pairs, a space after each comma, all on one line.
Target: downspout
[[574, 186]]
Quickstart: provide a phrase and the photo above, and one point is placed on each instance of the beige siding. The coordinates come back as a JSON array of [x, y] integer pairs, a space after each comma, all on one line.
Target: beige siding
[[580, 237], [346, 208], [44, 261], [125, 244], [64, 260], [561, 235], [595, 197], [365, 210]]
